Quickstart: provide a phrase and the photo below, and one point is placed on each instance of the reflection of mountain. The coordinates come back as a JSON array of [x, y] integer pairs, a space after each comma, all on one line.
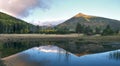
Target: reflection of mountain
[[39, 56], [115, 55], [79, 48]]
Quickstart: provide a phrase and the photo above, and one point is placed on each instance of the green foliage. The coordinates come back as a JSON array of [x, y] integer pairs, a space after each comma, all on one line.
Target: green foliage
[[53, 31], [88, 30], [108, 31], [47, 31], [117, 31], [84, 29], [79, 28], [97, 30], [10, 24]]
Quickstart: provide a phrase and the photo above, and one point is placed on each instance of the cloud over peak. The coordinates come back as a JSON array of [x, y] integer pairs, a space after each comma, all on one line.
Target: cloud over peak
[[22, 7]]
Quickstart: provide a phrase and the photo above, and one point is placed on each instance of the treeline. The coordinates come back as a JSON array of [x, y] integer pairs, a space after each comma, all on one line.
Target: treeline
[[89, 31], [53, 31], [14, 27], [9, 24]]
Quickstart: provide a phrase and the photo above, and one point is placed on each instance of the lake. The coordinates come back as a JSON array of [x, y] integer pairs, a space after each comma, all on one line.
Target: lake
[[54, 56], [60, 53]]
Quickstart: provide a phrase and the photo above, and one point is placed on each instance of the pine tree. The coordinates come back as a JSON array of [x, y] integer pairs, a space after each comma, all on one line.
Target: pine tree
[[79, 28], [117, 31], [97, 30], [88, 30], [108, 31]]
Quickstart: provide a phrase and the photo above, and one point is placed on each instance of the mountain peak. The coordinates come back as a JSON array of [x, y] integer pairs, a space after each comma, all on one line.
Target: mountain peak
[[82, 15], [89, 20]]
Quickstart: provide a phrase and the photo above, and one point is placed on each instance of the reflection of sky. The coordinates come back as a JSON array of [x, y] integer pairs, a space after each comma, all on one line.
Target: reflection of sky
[[43, 58], [52, 49]]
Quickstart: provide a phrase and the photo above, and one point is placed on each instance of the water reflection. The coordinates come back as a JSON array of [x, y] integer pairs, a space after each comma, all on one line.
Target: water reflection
[[54, 56], [44, 56], [115, 55], [76, 47]]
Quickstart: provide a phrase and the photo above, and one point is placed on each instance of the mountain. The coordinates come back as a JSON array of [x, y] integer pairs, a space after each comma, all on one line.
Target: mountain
[[9, 24], [88, 20]]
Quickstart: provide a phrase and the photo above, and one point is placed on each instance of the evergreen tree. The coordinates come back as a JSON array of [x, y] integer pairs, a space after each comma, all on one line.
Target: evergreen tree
[[79, 28], [88, 30], [108, 31], [97, 30], [117, 31]]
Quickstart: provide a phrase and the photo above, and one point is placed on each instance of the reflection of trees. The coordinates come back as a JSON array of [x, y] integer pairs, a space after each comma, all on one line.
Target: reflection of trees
[[12, 47], [63, 54], [1, 62], [67, 56], [115, 55]]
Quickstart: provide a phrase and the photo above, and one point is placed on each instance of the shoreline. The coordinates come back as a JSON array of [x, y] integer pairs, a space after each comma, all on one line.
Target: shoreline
[[6, 37]]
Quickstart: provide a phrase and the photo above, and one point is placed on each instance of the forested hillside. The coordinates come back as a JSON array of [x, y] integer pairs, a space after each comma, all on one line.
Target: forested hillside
[[9, 24], [87, 24], [89, 21]]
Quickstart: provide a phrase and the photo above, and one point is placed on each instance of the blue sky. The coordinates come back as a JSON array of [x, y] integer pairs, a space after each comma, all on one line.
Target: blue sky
[[65, 9]]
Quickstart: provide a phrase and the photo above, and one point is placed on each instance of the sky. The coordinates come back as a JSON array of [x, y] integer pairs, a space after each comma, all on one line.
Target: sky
[[42, 12]]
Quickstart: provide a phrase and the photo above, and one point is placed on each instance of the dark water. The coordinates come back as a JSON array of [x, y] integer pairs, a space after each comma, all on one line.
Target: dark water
[[55, 56]]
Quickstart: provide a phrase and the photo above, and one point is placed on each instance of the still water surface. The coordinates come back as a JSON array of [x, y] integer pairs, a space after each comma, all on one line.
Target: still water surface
[[51, 55]]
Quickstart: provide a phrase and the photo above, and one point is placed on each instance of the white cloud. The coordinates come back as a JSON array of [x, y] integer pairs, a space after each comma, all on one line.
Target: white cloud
[[22, 7]]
